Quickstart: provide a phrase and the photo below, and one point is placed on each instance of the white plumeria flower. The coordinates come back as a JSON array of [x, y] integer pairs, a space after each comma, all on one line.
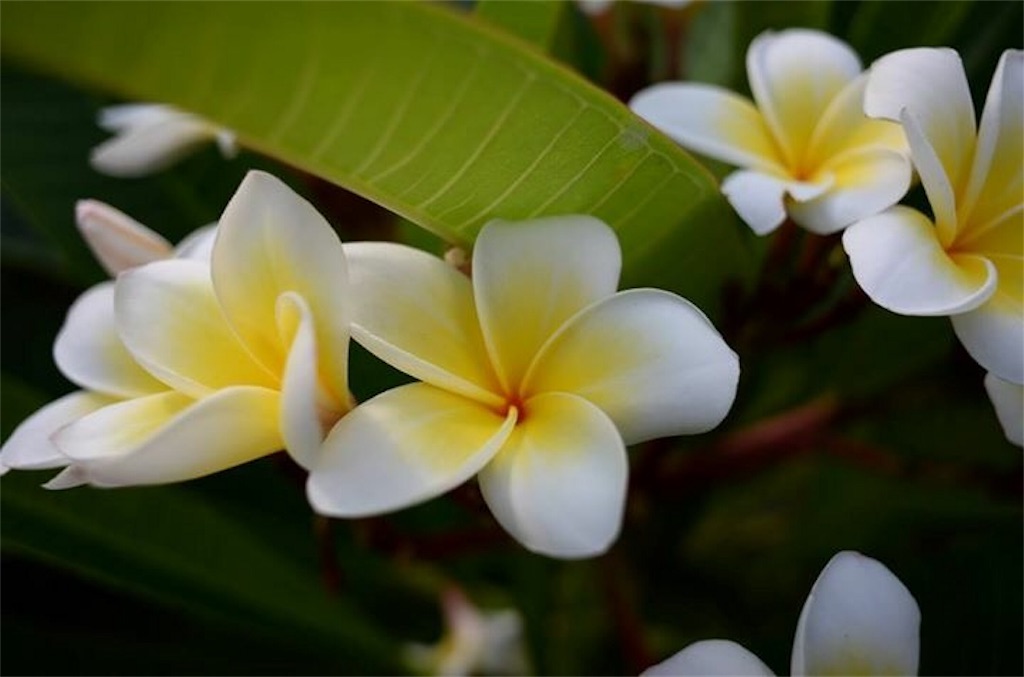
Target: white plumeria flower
[[595, 7], [474, 642], [804, 146], [535, 375], [150, 137], [192, 367], [858, 620], [1008, 401], [87, 348], [969, 263]]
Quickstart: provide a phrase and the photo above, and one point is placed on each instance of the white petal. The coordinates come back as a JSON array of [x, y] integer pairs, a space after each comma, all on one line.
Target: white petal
[[559, 483], [150, 147], [68, 478], [272, 241], [898, 261], [648, 359], [430, 328], [171, 438], [90, 353], [858, 620], [794, 75], [865, 183], [994, 336], [711, 121], [761, 199], [118, 241], [29, 446], [710, 657], [926, 90], [306, 411], [126, 116], [995, 184], [1008, 401], [169, 319], [531, 276], [844, 128], [198, 245], [402, 447]]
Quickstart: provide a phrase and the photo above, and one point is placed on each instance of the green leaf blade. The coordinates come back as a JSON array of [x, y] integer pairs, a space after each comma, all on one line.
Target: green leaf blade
[[445, 122]]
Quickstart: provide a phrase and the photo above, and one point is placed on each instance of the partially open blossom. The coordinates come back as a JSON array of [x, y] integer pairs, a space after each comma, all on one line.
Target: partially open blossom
[[120, 243], [804, 147], [190, 367], [475, 641], [858, 620], [149, 137], [967, 263], [536, 374], [1008, 401]]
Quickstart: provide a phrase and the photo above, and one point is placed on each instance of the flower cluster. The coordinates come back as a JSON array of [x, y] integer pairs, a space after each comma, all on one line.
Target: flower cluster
[[833, 149], [535, 374]]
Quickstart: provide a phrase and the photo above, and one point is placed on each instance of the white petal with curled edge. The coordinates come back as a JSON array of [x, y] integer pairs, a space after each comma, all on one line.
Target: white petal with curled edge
[[897, 260], [648, 359], [711, 121], [402, 447], [994, 336], [306, 411], [995, 184], [866, 182], [531, 276], [938, 184], [118, 241], [859, 619], [270, 241], [29, 446], [794, 75], [68, 478], [198, 245], [559, 483], [929, 83], [150, 147], [90, 353], [172, 438], [1008, 401], [761, 199], [169, 319], [710, 657], [430, 328]]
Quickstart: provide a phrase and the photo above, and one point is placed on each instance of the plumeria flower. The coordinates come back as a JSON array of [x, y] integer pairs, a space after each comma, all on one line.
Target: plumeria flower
[[535, 375], [1008, 401], [150, 137], [196, 367], [119, 243], [968, 263], [804, 147], [858, 620], [475, 642], [594, 7]]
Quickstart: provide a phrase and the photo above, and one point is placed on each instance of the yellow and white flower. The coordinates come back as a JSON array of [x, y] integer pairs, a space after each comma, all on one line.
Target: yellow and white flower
[[475, 641], [969, 262], [189, 367], [804, 146], [535, 375], [149, 137], [858, 620]]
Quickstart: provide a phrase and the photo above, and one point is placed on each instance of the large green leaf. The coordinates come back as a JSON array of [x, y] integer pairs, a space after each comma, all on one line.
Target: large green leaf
[[445, 121]]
